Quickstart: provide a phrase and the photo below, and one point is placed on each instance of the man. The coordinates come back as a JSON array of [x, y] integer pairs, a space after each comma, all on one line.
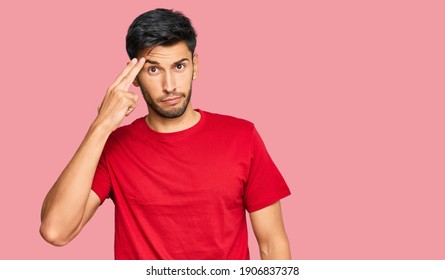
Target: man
[[181, 179]]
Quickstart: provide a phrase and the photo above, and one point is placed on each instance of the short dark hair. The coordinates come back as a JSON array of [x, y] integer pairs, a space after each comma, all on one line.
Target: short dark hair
[[159, 27]]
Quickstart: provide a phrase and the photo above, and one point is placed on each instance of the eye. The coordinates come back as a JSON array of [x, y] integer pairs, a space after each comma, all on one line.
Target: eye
[[152, 69], [180, 66]]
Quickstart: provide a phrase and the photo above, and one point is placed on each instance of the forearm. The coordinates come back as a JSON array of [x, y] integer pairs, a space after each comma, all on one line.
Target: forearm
[[64, 206], [275, 249], [70, 202]]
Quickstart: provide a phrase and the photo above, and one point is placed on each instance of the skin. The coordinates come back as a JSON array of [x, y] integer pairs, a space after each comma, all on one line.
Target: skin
[[268, 226], [165, 75], [71, 203]]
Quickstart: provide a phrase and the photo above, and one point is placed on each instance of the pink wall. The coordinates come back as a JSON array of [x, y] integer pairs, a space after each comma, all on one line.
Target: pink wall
[[348, 97]]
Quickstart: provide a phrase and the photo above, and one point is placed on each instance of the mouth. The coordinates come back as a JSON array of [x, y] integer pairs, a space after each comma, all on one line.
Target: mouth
[[172, 100]]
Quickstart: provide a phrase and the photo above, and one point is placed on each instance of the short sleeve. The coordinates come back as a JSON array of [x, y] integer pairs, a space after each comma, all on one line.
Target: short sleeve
[[101, 181], [265, 185]]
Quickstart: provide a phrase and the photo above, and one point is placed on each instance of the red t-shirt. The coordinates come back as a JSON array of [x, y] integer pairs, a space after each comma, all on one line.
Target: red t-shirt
[[183, 195]]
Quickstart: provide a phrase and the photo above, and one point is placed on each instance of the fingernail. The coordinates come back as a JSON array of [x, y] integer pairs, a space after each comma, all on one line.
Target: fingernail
[[134, 60]]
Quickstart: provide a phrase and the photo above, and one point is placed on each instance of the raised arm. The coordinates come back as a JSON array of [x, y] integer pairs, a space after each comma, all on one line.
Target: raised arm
[[70, 203], [268, 227]]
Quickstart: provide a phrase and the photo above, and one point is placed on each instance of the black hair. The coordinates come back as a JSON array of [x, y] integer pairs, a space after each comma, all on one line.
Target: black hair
[[159, 27]]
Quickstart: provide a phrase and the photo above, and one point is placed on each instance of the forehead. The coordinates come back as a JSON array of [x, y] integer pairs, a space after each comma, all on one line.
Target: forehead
[[167, 54]]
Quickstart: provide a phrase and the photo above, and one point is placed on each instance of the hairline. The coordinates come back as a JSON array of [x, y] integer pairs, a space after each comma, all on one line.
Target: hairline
[[152, 47]]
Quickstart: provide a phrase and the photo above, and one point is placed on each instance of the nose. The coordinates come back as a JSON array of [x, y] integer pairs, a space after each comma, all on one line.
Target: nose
[[169, 84]]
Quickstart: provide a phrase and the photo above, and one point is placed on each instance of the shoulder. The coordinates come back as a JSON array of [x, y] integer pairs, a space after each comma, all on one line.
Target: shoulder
[[228, 129], [229, 122], [127, 133], [130, 128]]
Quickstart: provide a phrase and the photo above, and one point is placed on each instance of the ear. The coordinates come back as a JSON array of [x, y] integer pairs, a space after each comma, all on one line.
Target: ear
[[136, 82], [195, 66]]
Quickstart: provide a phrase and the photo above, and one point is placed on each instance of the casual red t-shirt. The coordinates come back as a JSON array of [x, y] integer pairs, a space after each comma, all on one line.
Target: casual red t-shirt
[[184, 195]]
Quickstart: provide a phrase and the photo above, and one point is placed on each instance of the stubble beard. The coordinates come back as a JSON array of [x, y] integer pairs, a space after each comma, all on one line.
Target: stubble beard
[[169, 113]]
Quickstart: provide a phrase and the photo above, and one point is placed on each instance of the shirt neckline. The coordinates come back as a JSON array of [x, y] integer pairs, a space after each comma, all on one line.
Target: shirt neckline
[[153, 134]]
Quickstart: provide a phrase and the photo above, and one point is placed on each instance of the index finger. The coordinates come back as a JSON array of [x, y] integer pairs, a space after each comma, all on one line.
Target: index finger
[[124, 72], [131, 76]]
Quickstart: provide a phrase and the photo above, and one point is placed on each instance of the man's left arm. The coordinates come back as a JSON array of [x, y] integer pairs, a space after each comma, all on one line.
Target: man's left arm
[[268, 226]]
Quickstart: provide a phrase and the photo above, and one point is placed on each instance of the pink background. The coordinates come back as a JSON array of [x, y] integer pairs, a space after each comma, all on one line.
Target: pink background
[[347, 95]]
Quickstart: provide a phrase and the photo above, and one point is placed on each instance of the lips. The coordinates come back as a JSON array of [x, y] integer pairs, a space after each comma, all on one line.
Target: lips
[[172, 100]]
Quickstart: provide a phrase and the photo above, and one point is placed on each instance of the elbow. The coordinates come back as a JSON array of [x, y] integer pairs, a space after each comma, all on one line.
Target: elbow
[[277, 249], [53, 236]]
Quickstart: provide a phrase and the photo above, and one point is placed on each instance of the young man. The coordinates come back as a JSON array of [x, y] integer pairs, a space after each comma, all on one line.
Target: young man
[[181, 179]]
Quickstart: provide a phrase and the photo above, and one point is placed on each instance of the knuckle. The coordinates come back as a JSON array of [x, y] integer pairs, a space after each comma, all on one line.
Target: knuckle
[[120, 94], [122, 101]]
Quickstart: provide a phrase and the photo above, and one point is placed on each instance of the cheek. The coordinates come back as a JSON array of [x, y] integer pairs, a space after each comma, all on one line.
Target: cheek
[[152, 84], [185, 79]]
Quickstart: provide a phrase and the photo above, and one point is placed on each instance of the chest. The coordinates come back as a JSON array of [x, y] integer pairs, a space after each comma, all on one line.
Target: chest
[[180, 173]]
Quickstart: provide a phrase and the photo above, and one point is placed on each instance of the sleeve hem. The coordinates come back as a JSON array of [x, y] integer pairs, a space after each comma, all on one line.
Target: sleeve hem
[[271, 200], [101, 197]]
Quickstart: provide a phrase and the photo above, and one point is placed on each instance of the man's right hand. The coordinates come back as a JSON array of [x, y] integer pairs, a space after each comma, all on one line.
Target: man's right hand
[[118, 101], [71, 202]]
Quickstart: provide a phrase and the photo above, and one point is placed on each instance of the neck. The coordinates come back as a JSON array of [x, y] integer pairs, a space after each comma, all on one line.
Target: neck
[[166, 125]]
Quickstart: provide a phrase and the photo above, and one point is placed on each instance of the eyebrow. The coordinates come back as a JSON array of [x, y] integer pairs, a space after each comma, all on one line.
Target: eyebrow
[[157, 63]]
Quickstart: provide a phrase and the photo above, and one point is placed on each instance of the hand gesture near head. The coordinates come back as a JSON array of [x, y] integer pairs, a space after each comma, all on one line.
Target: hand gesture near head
[[70, 203], [118, 102]]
